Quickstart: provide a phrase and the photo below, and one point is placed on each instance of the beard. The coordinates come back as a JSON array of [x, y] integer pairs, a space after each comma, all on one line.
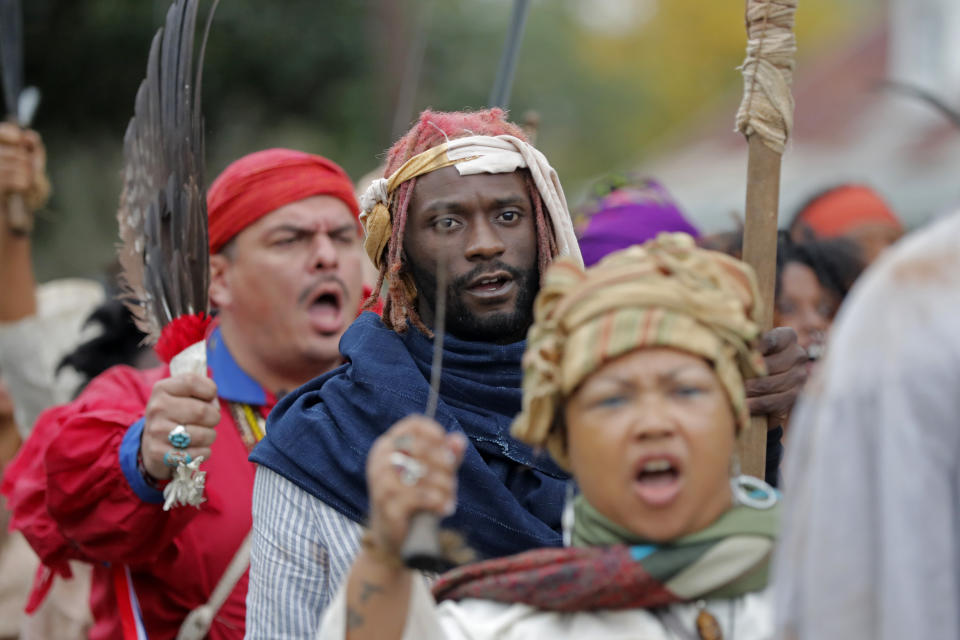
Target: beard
[[502, 327]]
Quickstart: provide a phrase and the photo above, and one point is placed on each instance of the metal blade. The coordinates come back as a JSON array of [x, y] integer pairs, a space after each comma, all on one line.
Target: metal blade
[[11, 53], [439, 330], [27, 105], [421, 549]]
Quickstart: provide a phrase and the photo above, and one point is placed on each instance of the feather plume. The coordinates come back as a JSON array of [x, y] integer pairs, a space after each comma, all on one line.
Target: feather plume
[[164, 254]]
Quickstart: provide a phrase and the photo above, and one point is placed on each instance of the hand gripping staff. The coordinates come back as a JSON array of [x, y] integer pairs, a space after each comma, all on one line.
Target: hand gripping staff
[[765, 117]]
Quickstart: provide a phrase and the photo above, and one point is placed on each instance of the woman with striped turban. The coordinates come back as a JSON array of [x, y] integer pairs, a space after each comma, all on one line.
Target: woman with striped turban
[[634, 382]]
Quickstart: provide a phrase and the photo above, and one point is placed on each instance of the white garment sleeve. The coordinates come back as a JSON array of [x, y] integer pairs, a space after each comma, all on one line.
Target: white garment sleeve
[[32, 348], [747, 618], [30, 351], [422, 620], [302, 551], [871, 528]]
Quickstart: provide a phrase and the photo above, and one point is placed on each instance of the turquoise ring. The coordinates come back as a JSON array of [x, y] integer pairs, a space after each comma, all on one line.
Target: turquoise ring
[[179, 437], [175, 457]]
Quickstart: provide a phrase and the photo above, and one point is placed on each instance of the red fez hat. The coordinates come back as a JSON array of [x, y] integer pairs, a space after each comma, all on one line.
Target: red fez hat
[[264, 181]]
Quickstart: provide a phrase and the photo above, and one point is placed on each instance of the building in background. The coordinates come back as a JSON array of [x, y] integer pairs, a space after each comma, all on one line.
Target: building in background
[[849, 125]]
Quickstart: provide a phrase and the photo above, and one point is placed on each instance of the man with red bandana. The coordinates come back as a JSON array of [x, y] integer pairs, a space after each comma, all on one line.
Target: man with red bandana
[[285, 282]]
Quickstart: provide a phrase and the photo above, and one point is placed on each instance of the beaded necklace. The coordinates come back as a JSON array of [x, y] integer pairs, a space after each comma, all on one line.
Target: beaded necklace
[[250, 424]]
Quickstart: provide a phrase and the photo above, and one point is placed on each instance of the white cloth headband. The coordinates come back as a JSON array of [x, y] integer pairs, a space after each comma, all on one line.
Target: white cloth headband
[[500, 154]]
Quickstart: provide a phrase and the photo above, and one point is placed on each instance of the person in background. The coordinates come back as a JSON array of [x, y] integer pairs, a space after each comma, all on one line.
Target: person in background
[[870, 548], [850, 211], [285, 254], [626, 211], [813, 279], [38, 326]]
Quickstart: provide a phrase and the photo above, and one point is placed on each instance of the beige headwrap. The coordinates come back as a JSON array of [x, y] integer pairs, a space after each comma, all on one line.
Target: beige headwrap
[[470, 155], [666, 293]]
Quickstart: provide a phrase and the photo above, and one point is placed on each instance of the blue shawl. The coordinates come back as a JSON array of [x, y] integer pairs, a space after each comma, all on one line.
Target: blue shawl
[[318, 436]]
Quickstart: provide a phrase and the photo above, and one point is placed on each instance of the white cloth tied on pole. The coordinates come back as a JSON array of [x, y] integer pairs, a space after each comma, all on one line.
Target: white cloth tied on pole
[[767, 106]]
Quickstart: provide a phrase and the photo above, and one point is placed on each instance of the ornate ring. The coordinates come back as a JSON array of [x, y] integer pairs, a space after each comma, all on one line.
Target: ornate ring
[[410, 469], [174, 457], [179, 437], [404, 442]]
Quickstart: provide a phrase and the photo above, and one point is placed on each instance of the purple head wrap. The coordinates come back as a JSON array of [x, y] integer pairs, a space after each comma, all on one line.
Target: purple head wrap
[[630, 215]]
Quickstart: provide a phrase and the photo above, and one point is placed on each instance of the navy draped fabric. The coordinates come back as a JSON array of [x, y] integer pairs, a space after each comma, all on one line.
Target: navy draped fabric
[[510, 497]]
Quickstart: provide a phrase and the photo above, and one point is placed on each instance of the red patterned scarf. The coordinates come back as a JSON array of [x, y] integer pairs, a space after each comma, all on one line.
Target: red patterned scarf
[[727, 559]]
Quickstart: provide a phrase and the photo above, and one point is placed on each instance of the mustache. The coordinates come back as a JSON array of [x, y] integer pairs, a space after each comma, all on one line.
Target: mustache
[[481, 269], [309, 290]]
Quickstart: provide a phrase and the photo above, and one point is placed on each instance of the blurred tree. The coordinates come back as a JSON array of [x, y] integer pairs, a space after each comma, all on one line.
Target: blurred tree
[[335, 78]]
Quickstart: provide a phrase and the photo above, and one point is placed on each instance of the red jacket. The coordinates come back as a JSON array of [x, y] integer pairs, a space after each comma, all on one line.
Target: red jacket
[[75, 493]]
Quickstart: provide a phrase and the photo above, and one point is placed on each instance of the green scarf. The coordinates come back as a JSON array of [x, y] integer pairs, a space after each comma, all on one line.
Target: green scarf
[[664, 560], [609, 568]]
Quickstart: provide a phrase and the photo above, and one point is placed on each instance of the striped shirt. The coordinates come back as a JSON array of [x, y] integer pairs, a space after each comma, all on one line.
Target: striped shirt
[[302, 551]]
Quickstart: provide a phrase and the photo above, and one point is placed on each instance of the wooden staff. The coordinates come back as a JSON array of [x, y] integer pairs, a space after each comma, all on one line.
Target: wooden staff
[[765, 117]]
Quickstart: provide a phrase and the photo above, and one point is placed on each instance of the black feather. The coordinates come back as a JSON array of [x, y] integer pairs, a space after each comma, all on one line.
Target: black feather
[[164, 252]]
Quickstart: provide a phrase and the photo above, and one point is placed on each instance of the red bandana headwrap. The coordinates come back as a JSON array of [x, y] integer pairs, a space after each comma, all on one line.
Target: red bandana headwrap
[[845, 208], [264, 181]]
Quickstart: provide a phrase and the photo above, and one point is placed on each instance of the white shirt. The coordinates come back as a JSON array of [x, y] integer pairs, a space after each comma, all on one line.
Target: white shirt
[[32, 348], [301, 552], [745, 618], [870, 542]]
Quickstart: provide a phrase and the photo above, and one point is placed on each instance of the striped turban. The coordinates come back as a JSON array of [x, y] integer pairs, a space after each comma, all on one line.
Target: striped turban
[[665, 293]]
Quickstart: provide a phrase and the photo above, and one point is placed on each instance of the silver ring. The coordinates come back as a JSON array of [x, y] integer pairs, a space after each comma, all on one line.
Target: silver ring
[[175, 457], [411, 470], [179, 437]]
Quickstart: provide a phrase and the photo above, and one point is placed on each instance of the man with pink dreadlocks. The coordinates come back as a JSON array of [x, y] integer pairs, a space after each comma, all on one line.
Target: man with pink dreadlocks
[[468, 200]]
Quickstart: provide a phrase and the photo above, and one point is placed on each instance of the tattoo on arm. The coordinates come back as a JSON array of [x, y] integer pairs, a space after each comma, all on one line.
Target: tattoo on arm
[[354, 619], [368, 590]]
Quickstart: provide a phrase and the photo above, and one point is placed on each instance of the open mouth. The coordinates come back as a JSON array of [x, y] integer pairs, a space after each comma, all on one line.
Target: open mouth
[[815, 351], [817, 346], [491, 285], [657, 480], [325, 309]]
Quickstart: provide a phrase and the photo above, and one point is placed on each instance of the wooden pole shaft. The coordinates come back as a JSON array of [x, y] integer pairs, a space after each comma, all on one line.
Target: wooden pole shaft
[[760, 252]]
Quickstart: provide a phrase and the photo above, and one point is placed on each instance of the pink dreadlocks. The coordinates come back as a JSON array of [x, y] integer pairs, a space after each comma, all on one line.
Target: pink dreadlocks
[[432, 129]]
